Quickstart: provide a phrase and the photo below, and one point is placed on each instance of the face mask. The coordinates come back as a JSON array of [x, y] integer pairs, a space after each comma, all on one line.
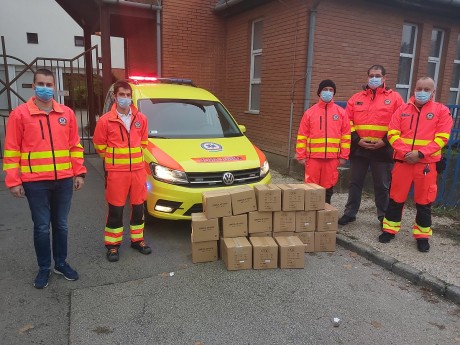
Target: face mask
[[326, 95], [422, 96], [43, 93], [123, 102], [374, 83]]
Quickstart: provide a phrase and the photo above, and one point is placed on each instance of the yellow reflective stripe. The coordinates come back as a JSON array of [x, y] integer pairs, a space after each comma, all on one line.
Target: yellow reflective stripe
[[100, 147], [443, 135], [321, 149], [346, 136], [440, 142], [389, 222], [114, 230], [437, 153], [123, 160], [389, 225], [345, 146], [419, 142], [302, 145], [323, 140], [10, 166], [144, 142], [76, 154], [301, 137], [46, 167], [123, 150], [113, 239], [393, 132], [393, 139], [419, 230], [136, 227], [136, 236], [79, 146], [371, 138], [45, 154], [372, 127], [11, 153]]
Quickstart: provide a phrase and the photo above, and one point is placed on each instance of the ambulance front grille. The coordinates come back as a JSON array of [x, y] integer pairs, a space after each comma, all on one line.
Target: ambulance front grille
[[215, 179]]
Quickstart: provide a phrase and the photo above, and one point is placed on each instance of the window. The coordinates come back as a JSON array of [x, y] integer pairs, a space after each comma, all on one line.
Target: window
[[454, 93], [256, 66], [434, 59], [79, 41], [406, 60], [32, 37]]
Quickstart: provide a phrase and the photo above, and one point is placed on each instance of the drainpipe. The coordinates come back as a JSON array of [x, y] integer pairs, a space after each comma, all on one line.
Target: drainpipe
[[159, 54], [311, 39]]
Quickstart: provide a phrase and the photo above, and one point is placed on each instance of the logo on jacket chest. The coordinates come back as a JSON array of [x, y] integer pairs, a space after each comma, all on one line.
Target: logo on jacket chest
[[387, 101], [137, 124], [429, 116], [62, 121], [335, 117]]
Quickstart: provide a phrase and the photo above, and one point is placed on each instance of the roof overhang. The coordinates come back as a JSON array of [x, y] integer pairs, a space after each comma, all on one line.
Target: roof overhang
[[231, 7]]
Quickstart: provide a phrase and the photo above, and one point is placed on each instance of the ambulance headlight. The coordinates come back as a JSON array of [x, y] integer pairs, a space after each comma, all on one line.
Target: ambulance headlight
[[264, 169], [168, 175]]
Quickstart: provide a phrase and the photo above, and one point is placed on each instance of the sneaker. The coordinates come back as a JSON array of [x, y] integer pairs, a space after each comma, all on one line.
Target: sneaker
[[68, 272], [423, 245], [386, 237], [112, 255], [344, 220], [141, 247], [41, 280]]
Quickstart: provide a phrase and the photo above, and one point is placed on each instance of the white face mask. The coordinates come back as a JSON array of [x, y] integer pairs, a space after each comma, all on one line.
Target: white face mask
[[422, 96]]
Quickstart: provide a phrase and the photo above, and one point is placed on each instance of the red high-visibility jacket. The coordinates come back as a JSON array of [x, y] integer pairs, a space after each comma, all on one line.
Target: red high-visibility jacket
[[426, 129], [41, 147], [120, 149], [324, 132]]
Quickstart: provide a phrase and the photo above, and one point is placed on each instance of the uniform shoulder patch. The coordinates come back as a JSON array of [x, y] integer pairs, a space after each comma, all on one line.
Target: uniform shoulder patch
[[62, 121], [137, 124]]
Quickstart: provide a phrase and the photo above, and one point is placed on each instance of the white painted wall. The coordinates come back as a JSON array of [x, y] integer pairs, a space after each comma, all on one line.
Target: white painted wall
[[55, 29]]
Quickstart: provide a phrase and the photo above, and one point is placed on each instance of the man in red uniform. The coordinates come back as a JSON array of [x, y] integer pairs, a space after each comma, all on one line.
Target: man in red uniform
[[43, 160], [119, 138], [418, 131], [323, 139], [370, 112]]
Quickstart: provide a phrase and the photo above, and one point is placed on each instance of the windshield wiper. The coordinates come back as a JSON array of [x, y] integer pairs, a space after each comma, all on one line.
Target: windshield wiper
[[158, 137]]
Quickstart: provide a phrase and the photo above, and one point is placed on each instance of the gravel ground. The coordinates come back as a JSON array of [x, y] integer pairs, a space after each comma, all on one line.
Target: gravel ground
[[443, 260]]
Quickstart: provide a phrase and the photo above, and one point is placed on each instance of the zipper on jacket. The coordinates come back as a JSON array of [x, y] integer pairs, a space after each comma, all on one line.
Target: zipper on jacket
[[416, 128], [129, 140], [320, 122], [113, 155], [30, 165], [325, 132], [411, 119], [41, 128], [122, 136], [52, 146]]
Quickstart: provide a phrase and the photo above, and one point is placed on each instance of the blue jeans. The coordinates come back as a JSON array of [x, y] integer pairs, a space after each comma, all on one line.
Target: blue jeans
[[49, 202]]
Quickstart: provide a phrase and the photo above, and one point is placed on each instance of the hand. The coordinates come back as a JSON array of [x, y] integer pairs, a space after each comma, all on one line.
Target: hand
[[342, 162], [378, 144], [78, 183], [411, 157], [18, 191], [301, 161], [366, 144]]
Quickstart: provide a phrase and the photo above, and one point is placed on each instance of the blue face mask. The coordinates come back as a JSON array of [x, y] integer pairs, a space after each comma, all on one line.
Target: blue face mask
[[422, 96], [374, 83], [326, 95], [43, 93], [123, 102]]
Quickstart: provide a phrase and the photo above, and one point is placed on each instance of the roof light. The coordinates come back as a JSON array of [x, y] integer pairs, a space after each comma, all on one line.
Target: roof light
[[142, 78]]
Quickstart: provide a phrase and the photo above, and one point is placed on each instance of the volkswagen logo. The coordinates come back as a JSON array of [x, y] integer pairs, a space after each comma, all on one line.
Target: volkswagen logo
[[228, 178]]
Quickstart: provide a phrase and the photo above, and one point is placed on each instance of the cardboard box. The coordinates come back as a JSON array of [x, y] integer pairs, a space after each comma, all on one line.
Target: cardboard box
[[204, 251], [325, 241], [315, 197], [327, 219], [308, 239], [217, 203], [237, 253], [260, 222], [268, 197], [283, 221], [264, 253], [285, 233], [243, 200], [204, 229], [291, 252], [261, 234], [292, 197], [305, 221], [235, 226]]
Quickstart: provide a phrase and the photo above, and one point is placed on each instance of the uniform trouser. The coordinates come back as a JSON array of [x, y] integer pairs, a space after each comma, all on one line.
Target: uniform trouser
[[381, 176], [323, 172], [423, 176], [120, 184]]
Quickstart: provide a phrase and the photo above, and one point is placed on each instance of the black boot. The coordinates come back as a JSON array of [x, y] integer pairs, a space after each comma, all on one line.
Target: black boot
[[329, 193], [386, 237], [423, 245]]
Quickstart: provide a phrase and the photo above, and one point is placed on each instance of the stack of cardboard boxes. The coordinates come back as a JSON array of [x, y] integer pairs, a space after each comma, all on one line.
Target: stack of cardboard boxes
[[282, 221]]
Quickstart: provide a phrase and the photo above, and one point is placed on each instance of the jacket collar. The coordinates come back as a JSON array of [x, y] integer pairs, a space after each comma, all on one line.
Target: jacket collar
[[114, 115], [380, 90], [323, 104], [33, 109], [412, 102]]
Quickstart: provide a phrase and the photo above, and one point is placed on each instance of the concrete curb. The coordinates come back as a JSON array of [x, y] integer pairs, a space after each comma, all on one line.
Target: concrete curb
[[423, 279]]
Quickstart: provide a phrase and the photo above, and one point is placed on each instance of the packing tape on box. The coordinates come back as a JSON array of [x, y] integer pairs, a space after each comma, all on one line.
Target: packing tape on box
[[238, 248], [291, 243]]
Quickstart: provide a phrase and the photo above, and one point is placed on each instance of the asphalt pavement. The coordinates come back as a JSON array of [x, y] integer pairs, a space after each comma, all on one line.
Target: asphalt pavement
[[165, 299]]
